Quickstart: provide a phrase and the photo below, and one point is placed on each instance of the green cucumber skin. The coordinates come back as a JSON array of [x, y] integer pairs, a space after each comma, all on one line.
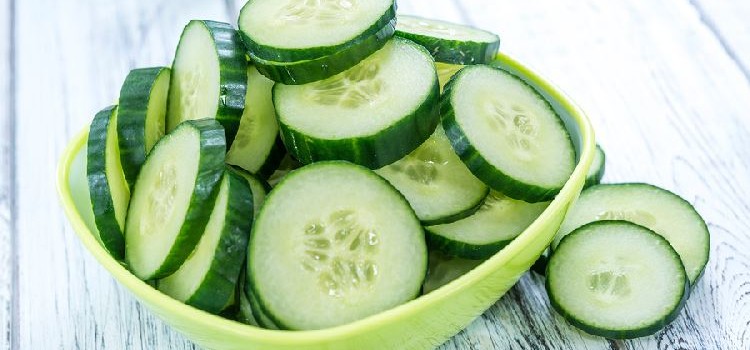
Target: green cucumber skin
[[273, 160], [279, 55], [372, 151], [454, 51], [261, 316], [221, 280], [135, 95], [213, 149], [462, 249], [618, 334], [457, 216], [596, 178], [232, 76], [479, 166], [308, 71], [110, 233]]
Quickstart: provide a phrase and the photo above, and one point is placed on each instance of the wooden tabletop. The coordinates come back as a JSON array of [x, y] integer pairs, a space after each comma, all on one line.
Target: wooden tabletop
[[666, 84]]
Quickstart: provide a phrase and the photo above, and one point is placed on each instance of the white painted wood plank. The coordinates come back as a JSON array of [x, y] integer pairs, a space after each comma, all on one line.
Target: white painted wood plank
[[72, 57], [729, 21], [670, 108], [6, 174]]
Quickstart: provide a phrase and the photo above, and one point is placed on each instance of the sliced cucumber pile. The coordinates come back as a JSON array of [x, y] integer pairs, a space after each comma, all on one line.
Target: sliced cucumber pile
[[300, 41], [173, 198], [449, 42], [658, 209], [372, 114], [616, 279], [507, 134], [340, 110], [492, 227], [358, 252], [209, 77], [108, 188]]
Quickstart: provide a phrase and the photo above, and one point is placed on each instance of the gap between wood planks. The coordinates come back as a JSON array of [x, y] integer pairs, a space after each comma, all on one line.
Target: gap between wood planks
[[13, 330]]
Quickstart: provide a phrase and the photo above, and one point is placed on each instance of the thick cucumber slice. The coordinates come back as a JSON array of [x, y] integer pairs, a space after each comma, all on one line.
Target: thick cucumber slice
[[259, 188], [209, 76], [173, 198], [655, 208], [260, 315], [245, 314], [449, 42], [507, 134], [492, 227], [257, 147], [436, 182], [372, 114], [444, 269], [140, 121], [596, 172], [617, 280], [353, 248], [297, 30], [445, 72], [108, 189], [208, 278]]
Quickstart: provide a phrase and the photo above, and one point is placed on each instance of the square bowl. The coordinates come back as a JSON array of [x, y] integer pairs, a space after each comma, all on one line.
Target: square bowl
[[422, 323]]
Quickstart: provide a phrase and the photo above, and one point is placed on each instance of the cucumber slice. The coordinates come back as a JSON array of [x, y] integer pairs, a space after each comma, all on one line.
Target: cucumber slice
[[245, 314], [449, 42], [444, 269], [353, 248], [261, 316], [435, 182], [257, 147], [141, 113], [445, 72], [297, 30], [288, 163], [655, 208], [372, 114], [208, 278], [173, 198], [492, 227], [258, 187], [507, 134], [596, 172], [617, 280], [209, 76], [108, 189]]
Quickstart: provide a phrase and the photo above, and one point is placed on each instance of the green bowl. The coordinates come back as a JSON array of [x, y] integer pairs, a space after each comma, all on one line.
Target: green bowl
[[423, 323]]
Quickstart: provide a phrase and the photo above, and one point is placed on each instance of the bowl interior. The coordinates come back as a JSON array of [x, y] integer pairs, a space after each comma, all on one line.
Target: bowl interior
[[422, 323]]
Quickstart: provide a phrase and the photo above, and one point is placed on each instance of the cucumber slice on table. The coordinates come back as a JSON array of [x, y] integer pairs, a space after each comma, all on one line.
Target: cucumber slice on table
[[353, 248], [108, 188], [209, 76], [296, 30], [655, 208], [449, 42], [257, 147], [506, 133], [140, 116], [616, 279], [436, 182], [492, 227], [596, 172], [208, 278], [372, 114], [173, 198]]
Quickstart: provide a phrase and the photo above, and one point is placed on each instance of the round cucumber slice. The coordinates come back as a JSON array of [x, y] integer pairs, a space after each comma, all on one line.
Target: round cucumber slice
[[353, 248], [436, 182], [173, 198], [617, 280], [660, 210], [108, 188], [297, 30], [596, 172], [507, 134], [498, 221], [372, 114], [449, 42]]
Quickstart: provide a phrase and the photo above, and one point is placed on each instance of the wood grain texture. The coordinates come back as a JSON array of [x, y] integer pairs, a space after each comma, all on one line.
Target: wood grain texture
[[668, 100], [729, 23], [6, 175]]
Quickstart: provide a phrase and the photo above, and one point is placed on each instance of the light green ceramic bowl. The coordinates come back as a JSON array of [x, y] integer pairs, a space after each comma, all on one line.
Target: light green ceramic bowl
[[423, 323]]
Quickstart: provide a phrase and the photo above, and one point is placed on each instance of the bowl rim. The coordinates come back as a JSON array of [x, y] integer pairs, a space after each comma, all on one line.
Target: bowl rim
[[142, 290]]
